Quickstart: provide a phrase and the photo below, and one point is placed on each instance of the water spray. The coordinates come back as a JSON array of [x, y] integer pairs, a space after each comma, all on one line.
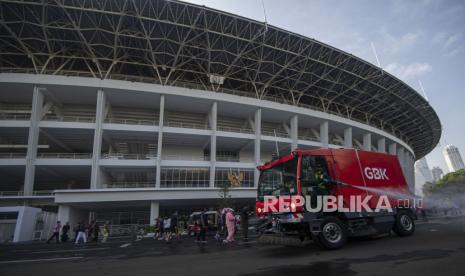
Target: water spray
[[378, 191]]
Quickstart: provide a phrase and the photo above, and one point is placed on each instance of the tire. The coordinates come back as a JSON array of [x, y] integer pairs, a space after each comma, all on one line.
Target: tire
[[333, 234], [404, 225]]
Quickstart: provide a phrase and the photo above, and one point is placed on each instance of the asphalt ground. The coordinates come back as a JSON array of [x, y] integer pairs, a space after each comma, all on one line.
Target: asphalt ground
[[437, 248]]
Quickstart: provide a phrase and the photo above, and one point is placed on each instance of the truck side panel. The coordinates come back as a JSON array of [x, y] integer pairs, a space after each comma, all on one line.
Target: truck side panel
[[383, 173], [347, 170], [379, 172]]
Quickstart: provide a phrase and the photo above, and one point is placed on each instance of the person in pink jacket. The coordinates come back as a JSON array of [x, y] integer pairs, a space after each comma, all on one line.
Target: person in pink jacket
[[230, 224]]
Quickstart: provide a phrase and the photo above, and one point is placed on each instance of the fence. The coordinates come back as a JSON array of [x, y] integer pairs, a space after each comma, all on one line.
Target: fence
[[129, 156], [131, 121], [66, 155]]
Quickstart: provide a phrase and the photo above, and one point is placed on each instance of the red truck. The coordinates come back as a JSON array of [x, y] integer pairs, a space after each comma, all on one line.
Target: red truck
[[348, 176]]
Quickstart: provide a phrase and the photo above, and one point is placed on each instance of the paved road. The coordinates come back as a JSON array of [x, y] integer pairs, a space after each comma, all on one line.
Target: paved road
[[437, 248]]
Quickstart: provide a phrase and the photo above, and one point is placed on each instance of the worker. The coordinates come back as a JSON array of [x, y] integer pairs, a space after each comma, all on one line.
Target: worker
[[322, 181]]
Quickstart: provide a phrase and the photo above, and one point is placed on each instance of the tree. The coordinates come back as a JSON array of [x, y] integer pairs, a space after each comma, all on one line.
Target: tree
[[453, 177], [225, 198], [448, 192]]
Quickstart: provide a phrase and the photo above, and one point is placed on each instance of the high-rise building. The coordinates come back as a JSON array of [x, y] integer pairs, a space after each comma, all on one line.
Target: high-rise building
[[437, 174], [453, 159], [422, 166]]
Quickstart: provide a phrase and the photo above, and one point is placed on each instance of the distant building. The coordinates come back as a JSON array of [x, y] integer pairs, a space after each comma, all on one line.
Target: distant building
[[453, 159], [437, 174], [422, 167]]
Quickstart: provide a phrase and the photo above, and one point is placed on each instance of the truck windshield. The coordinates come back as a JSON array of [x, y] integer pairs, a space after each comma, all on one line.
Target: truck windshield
[[279, 180], [314, 175]]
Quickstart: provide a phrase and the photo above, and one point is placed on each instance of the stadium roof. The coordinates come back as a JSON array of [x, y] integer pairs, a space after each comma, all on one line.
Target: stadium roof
[[181, 44]]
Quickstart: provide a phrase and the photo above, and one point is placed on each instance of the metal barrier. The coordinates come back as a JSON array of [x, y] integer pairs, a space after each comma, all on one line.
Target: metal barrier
[[19, 117], [129, 156], [179, 183], [235, 129], [79, 119], [272, 133], [11, 193], [186, 125], [129, 185], [227, 158], [12, 155], [21, 193], [308, 138], [131, 121], [186, 158], [65, 155], [43, 193]]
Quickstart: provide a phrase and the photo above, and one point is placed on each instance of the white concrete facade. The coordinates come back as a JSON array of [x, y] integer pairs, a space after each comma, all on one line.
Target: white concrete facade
[[24, 223]]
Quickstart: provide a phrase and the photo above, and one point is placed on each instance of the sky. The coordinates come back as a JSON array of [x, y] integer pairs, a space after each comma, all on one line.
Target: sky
[[415, 40]]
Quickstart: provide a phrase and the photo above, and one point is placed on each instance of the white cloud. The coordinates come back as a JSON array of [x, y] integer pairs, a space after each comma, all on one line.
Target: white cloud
[[394, 44], [409, 71], [452, 39], [452, 53], [450, 43], [439, 38], [446, 40]]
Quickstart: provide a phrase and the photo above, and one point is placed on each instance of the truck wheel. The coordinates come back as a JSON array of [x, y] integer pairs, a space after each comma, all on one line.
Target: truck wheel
[[333, 234], [405, 225]]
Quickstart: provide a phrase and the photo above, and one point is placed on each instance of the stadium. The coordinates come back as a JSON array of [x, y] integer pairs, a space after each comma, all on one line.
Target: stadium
[[125, 110]]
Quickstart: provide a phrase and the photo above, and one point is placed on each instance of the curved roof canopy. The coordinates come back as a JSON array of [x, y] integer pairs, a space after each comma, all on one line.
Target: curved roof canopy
[[180, 44]]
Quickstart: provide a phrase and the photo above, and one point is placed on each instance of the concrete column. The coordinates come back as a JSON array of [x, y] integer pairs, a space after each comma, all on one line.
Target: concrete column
[[324, 134], [103, 178], [400, 156], [381, 145], [64, 214], [213, 120], [294, 132], [409, 169], [412, 172], [160, 140], [348, 138], [154, 211], [367, 141], [72, 215], [257, 149], [97, 149], [33, 140], [393, 149]]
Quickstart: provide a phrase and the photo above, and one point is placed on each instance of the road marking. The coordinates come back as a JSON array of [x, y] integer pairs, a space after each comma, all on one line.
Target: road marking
[[39, 260], [125, 245], [71, 250]]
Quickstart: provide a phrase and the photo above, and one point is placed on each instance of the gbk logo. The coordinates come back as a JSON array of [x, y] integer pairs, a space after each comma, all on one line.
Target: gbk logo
[[376, 173]]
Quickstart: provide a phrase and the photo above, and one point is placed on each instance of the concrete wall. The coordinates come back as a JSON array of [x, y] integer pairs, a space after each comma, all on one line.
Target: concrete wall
[[25, 221], [182, 152], [246, 156], [72, 215]]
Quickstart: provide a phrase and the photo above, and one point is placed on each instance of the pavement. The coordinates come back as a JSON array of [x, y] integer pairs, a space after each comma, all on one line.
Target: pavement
[[437, 248]]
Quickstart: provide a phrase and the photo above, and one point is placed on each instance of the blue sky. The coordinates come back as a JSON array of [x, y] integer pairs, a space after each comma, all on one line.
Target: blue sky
[[415, 40]]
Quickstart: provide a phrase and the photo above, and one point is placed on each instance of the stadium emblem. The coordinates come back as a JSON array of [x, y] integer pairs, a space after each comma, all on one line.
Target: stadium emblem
[[235, 178]]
